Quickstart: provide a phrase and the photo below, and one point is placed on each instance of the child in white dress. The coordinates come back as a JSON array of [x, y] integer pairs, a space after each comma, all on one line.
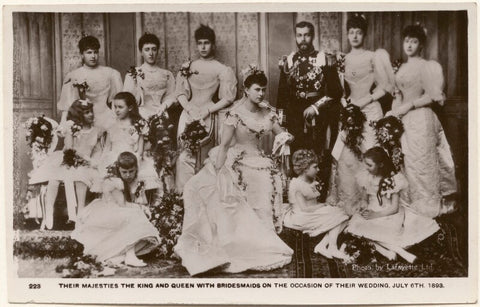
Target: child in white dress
[[382, 217], [306, 213], [81, 136], [127, 134], [115, 228]]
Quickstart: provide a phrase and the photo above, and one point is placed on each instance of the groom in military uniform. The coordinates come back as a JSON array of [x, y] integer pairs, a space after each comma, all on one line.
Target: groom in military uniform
[[309, 92]]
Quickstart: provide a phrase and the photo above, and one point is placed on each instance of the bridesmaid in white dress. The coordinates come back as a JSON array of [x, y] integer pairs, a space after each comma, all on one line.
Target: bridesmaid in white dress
[[233, 205], [428, 161], [103, 83], [115, 228], [364, 69], [384, 216], [197, 83], [152, 86]]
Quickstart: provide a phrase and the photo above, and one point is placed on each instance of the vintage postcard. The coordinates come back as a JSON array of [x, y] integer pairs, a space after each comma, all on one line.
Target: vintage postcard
[[241, 153]]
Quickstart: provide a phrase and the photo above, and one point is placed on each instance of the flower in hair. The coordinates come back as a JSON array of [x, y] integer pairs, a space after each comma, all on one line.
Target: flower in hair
[[251, 70]]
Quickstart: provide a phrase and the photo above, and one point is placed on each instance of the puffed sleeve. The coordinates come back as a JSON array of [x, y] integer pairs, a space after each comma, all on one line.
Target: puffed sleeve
[[69, 93], [384, 77], [433, 82], [231, 119], [131, 86], [116, 84], [111, 184], [182, 87], [228, 84], [170, 97], [401, 182]]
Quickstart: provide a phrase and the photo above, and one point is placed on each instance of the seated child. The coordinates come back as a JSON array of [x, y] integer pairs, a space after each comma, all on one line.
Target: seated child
[[306, 213]]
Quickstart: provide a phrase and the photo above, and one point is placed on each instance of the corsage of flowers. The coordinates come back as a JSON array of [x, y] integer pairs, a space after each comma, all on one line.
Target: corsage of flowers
[[185, 70], [141, 127], [82, 88], [134, 73]]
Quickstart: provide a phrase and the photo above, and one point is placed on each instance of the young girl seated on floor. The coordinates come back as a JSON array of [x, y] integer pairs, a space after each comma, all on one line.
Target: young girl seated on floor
[[308, 215], [384, 216]]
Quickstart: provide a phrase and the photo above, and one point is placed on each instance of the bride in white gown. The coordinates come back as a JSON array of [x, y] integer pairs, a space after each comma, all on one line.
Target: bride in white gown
[[233, 205]]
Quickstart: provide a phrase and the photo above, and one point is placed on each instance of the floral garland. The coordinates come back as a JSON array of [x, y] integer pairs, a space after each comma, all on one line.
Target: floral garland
[[257, 133], [388, 132], [139, 189], [52, 247], [359, 250], [39, 136], [194, 132], [161, 137], [273, 171], [396, 67], [166, 214], [351, 121], [72, 159], [134, 73]]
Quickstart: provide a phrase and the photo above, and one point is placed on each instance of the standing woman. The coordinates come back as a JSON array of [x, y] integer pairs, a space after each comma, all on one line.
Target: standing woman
[[428, 161], [97, 83], [197, 83], [368, 77], [152, 86]]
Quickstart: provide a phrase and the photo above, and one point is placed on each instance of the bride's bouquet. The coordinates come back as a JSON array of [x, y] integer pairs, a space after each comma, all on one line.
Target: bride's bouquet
[[194, 132], [351, 123], [39, 135]]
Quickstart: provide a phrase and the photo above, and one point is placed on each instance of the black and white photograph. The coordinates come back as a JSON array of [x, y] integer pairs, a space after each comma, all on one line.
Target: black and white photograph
[[235, 145]]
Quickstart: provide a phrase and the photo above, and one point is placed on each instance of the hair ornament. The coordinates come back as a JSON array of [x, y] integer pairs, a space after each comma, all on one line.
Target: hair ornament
[[419, 24], [85, 34], [252, 70], [85, 102]]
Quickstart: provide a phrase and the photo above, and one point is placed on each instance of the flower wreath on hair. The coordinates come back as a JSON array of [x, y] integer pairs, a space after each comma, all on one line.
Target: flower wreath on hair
[[251, 70]]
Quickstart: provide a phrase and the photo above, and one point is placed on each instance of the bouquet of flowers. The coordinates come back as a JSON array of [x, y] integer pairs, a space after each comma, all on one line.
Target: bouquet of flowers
[[141, 127], [351, 122], [72, 159], [112, 170], [134, 73], [388, 131], [359, 250], [39, 136], [80, 267], [192, 135], [167, 217], [161, 137]]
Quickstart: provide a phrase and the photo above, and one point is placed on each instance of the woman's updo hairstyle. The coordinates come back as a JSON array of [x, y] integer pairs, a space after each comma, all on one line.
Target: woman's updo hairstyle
[[302, 159], [253, 75], [415, 31], [357, 21], [76, 110], [205, 32], [148, 38], [88, 42]]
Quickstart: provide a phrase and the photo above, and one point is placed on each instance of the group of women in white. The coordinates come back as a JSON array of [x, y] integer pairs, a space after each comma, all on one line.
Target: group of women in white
[[233, 207]]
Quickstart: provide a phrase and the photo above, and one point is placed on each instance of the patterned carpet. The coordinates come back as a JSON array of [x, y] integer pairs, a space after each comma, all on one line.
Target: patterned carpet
[[438, 256]]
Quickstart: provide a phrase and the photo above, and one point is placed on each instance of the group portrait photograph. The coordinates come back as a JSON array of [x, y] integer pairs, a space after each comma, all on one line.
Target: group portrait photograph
[[240, 144]]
